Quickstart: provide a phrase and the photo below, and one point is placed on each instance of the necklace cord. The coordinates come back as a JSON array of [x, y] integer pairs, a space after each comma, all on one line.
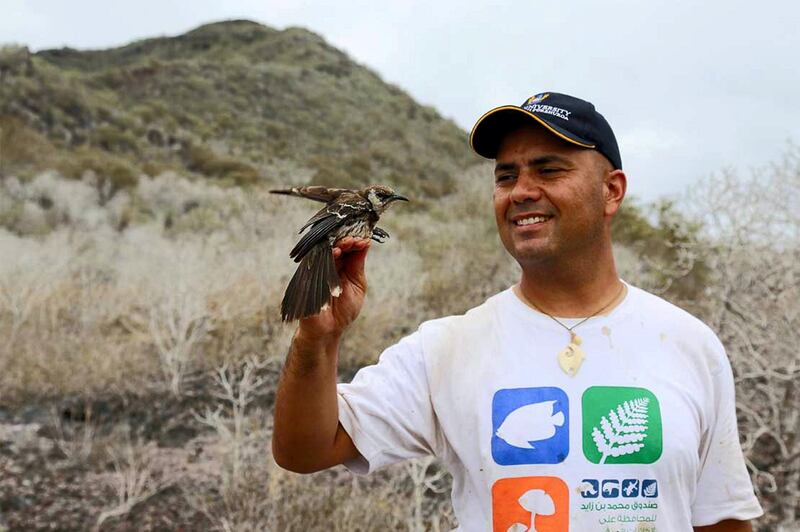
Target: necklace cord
[[569, 329]]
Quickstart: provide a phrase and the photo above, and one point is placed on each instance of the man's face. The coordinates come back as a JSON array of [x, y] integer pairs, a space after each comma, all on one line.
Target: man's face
[[548, 196]]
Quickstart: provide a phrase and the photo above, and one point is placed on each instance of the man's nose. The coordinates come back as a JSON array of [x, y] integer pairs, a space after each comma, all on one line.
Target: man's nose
[[525, 188]]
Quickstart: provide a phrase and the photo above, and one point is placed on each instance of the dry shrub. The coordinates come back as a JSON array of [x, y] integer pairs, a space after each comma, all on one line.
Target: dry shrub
[[457, 239], [135, 479], [195, 279], [88, 309], [203, 160], [239, 488], [268, 498], [393, 304], [749, 244], [264, 497], [753, 250], [22, 148], [110, 173]]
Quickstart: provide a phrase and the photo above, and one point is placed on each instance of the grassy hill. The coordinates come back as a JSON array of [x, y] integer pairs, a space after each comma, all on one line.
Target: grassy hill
[[234, 101], [239, 103]]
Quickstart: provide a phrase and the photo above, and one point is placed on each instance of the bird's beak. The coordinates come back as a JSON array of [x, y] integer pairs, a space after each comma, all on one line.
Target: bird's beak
[[395, 197]]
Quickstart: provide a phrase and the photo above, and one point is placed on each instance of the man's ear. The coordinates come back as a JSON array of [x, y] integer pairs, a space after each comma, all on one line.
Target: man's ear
[[614, 188]]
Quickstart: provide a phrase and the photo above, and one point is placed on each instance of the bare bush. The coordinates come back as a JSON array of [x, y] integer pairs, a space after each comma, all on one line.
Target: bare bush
[[178, 321], [752, 227], [248, 492], [174, 278], [134, 480], [264, 497], [86, 308], [236, 389], [75, 442], [27, 281], [428, 480]]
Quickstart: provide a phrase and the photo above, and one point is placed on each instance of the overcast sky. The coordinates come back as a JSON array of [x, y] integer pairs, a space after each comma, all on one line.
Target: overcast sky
[[689, 87]]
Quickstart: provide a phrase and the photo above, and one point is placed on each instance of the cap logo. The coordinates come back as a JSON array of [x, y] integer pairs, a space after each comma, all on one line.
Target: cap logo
[[548, 110], [536, 98]]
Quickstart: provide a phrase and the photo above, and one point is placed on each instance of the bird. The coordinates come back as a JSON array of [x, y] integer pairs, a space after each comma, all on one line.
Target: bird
[[346, 213]]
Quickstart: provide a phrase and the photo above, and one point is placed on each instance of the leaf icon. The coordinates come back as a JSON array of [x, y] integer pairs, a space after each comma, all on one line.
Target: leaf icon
[[622, 431], [650, 490]]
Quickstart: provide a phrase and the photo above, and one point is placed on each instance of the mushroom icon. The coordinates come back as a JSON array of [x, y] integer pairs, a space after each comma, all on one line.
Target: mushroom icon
[[537, 502]]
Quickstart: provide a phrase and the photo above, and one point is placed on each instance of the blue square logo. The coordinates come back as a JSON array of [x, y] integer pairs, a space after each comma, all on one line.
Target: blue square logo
[[530, 426], [630, 487], [649, 488], [610, 488], [589, 488]]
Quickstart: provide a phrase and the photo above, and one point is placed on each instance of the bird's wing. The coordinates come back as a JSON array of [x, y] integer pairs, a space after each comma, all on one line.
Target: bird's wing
[[313, 192], [318, 233], [327, 221]]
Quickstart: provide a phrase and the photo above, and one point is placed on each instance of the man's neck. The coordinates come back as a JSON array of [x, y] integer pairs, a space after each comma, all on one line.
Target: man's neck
[[572, 291]]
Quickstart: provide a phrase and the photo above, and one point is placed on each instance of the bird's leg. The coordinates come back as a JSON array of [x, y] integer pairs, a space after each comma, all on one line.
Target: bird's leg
[[379, 235]]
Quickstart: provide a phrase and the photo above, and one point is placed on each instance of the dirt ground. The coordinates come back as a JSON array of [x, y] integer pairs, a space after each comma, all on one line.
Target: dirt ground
[[50, 480]]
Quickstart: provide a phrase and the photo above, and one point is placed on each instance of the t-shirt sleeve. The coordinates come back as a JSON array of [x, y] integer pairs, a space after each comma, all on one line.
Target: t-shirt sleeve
[[724, 489], [386, 409]]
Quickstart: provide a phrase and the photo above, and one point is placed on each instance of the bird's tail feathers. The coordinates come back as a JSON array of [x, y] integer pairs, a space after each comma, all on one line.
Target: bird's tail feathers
[[313, 284]]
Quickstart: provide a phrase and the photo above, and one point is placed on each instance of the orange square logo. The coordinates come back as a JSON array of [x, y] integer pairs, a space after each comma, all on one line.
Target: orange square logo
[[530, 504]]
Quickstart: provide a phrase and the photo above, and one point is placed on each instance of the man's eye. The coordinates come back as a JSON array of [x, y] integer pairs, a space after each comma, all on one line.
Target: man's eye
[[503, 177], [549, 170]]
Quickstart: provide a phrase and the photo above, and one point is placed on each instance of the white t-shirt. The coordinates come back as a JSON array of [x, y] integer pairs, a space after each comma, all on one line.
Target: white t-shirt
[[643, 438]]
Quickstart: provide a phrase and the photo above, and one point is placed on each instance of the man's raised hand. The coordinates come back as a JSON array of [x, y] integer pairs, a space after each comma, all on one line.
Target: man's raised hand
[[349, 255]]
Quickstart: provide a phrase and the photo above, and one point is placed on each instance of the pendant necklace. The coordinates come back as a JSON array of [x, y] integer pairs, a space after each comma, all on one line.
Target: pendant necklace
[[571, 357]]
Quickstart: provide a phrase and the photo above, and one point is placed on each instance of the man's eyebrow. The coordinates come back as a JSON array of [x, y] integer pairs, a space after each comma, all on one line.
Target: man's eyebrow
[[537, 161], [549, 159], [502, 167]]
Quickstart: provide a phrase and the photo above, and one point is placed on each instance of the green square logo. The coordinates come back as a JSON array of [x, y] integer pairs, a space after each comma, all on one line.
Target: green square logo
[[621, 425]]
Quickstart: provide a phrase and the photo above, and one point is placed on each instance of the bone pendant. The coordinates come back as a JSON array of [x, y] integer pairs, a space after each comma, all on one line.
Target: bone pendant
[[571, 357]]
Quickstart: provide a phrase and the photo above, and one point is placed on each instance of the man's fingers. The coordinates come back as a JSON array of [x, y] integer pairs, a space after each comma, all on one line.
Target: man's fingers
[[344, 242], [349, 244]]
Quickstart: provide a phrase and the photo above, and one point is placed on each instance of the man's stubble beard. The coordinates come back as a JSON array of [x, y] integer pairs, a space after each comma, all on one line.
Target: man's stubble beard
[[561, 250]]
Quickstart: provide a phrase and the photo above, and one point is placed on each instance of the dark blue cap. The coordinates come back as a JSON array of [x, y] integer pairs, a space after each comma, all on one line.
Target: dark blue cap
[[571, 119]]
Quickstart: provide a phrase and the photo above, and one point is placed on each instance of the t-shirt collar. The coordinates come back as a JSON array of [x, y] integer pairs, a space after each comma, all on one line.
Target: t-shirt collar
[[522, 309]]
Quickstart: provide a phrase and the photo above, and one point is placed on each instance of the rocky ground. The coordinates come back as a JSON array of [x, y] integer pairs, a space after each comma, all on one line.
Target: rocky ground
[[117, 463]]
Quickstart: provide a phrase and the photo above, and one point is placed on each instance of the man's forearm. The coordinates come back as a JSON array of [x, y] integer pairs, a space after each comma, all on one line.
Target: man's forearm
[[306, 412], [307, 436]]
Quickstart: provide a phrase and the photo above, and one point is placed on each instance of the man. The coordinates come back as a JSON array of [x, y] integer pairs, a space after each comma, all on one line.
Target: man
[[571, 401]]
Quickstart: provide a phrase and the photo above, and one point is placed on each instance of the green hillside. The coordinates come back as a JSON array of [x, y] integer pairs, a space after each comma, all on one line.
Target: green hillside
[[239, 103], [234, 100]]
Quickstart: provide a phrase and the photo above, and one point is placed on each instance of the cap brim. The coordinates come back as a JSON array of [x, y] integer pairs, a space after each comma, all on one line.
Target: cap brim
[[490, 129]]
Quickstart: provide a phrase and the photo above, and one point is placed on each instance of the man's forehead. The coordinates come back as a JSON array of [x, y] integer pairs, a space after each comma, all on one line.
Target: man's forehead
[[530, 138], [531, 146]]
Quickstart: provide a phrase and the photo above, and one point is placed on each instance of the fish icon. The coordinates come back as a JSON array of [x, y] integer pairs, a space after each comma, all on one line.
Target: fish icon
[[530, 423]]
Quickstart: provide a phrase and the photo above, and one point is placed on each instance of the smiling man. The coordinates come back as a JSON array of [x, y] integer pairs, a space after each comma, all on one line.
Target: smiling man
[[572, 400]]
